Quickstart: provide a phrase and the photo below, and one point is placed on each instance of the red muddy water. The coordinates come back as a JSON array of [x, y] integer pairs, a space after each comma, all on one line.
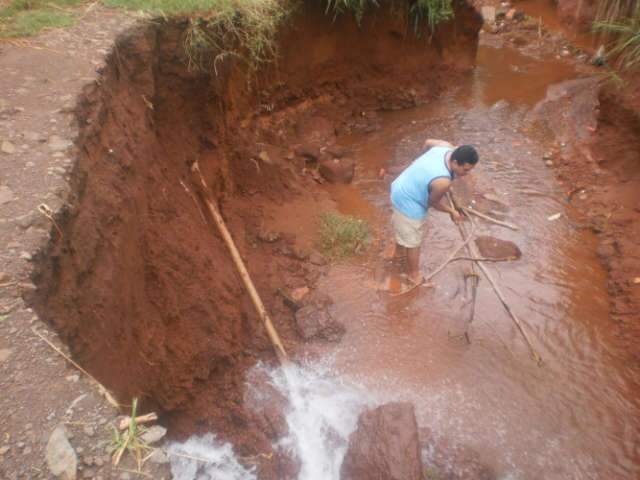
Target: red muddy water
[[573, 417]]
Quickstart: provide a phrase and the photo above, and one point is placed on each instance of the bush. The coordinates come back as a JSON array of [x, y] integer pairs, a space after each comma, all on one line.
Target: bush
[[343, 235]]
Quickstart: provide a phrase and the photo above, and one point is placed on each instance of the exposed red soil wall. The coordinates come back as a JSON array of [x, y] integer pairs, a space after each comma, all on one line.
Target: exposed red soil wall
[[140, 286]]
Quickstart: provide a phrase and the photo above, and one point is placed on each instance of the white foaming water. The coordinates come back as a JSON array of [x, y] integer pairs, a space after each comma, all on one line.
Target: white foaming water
[[323, 413], [209, 460]]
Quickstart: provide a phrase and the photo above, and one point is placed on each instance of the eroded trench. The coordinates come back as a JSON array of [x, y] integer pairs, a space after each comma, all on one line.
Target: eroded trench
[[144, 292]]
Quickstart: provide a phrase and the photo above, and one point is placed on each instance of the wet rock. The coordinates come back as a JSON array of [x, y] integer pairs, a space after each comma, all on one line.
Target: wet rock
[[317, 259], [57, 144], [5, 353], [491, 247], [61, 458], [6, 195], [338, 170], [154, 434], [159, 457], [385, 445], [268, 236], [315, 322], [268, 403], [444, 459], [309, 152], [7, 147]]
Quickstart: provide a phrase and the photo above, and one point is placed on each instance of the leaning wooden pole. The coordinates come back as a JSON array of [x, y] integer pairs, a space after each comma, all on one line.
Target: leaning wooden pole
[[242, 270], [489, 277], [471, 276]]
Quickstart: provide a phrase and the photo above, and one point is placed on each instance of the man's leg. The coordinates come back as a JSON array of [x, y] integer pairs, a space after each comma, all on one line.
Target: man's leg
[[413, 261]]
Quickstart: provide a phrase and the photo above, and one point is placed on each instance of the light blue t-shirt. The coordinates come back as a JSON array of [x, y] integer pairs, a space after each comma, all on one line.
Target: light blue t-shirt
[[410, 191]]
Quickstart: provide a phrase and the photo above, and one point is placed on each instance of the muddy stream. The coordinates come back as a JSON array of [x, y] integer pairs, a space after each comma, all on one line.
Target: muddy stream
[[572, 417]]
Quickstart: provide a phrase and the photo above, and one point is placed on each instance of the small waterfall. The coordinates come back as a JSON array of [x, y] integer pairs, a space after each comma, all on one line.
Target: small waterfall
[[323, 413], [205, 458]]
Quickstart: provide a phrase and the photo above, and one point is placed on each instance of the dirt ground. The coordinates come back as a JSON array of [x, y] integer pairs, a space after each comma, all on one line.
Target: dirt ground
[[134, 106]]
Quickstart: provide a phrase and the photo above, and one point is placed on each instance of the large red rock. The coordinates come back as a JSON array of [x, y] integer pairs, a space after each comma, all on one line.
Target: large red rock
[[385, 445]]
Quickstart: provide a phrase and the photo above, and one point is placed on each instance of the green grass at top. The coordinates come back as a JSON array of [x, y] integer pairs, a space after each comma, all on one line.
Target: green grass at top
[[172, 7], [23, 18]]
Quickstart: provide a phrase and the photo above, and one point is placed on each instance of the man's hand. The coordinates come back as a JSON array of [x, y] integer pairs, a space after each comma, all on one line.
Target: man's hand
[[455, 216]]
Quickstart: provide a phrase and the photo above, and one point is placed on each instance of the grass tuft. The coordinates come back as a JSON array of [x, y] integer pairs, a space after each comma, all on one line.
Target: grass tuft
[[24, 18], [130, 440], [241, 29], [430, 13], [619, 20], [343, 235]]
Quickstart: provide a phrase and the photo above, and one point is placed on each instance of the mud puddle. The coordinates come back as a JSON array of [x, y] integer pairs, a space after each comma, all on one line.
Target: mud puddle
[[575, 417]]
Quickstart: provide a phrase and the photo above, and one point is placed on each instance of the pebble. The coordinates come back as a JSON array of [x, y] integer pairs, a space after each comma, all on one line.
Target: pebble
[[89, 430], [25, 256], [5, 353], [6, 194], [4, 449], [7, 147], [57, 144], [72, 378]]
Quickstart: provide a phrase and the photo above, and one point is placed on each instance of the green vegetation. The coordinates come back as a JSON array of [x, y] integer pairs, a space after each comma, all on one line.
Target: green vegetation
[[130, 440], [420, 13], [619, 20], [343, 235], [356, 7], [430, 13], [244, 29], [23, 18]]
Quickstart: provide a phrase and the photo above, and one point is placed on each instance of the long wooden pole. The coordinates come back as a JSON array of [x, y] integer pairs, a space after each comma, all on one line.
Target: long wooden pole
[[242, 270], [472, 276], [498, 292]]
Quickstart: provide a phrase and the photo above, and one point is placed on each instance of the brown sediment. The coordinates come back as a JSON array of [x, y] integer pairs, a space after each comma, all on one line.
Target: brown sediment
[[140, 287], [599, 162]]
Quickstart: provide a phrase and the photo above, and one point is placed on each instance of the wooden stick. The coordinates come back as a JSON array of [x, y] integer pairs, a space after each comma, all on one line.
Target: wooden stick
[[242, 270], [103, 391], [149, 417], [515, 319], [451, 256], [474, 287], [488, 218]]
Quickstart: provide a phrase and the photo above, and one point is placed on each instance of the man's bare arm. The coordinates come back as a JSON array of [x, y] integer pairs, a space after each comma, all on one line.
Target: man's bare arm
[[437, 190]]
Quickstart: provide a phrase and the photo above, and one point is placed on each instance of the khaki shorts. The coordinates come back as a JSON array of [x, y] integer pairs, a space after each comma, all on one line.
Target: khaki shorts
[[408, 231]]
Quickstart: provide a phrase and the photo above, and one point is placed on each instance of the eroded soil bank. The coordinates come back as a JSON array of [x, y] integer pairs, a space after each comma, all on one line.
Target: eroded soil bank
[[138, 284]]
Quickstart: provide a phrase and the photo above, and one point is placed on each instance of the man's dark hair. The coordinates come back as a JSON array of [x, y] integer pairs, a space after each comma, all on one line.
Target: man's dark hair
[[465, 154]]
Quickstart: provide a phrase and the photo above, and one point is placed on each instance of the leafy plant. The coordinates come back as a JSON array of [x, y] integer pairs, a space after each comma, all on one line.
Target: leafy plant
[[620, 20], [343, 235]]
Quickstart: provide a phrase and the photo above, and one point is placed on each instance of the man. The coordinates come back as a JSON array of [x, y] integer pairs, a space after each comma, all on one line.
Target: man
[[422, 186]]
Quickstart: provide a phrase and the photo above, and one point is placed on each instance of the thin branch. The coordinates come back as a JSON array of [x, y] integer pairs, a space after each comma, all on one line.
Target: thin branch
[[488, 218]]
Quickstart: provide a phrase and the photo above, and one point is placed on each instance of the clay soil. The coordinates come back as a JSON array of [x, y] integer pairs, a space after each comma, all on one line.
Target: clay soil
[[139, 285]]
